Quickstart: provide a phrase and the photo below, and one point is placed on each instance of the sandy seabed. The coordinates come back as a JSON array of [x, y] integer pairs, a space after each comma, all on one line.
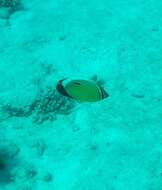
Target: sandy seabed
[[50, 142]]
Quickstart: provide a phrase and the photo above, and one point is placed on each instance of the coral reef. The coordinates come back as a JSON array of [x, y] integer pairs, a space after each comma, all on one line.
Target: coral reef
[[12, 111], [47, 106], [10, 3]]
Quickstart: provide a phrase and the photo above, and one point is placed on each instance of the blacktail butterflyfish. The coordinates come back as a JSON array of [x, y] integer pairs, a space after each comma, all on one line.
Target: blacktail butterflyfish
[[81, 90]]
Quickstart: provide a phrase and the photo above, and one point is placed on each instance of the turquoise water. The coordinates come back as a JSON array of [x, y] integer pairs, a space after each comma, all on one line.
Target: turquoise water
[[52, 142]]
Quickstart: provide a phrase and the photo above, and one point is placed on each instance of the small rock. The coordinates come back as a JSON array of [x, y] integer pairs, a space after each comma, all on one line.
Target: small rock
[[62, 37], [39, 147], [31, 173], [47, 177]]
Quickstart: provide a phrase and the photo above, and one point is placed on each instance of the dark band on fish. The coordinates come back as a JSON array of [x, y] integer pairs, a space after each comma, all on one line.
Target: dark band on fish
[[61, 88]]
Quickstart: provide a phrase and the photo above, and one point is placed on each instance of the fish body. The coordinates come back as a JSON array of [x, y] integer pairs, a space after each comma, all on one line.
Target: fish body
[[81, 90]]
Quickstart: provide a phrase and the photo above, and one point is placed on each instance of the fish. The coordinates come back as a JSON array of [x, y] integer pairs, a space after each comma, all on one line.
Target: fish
[[81, 90]]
